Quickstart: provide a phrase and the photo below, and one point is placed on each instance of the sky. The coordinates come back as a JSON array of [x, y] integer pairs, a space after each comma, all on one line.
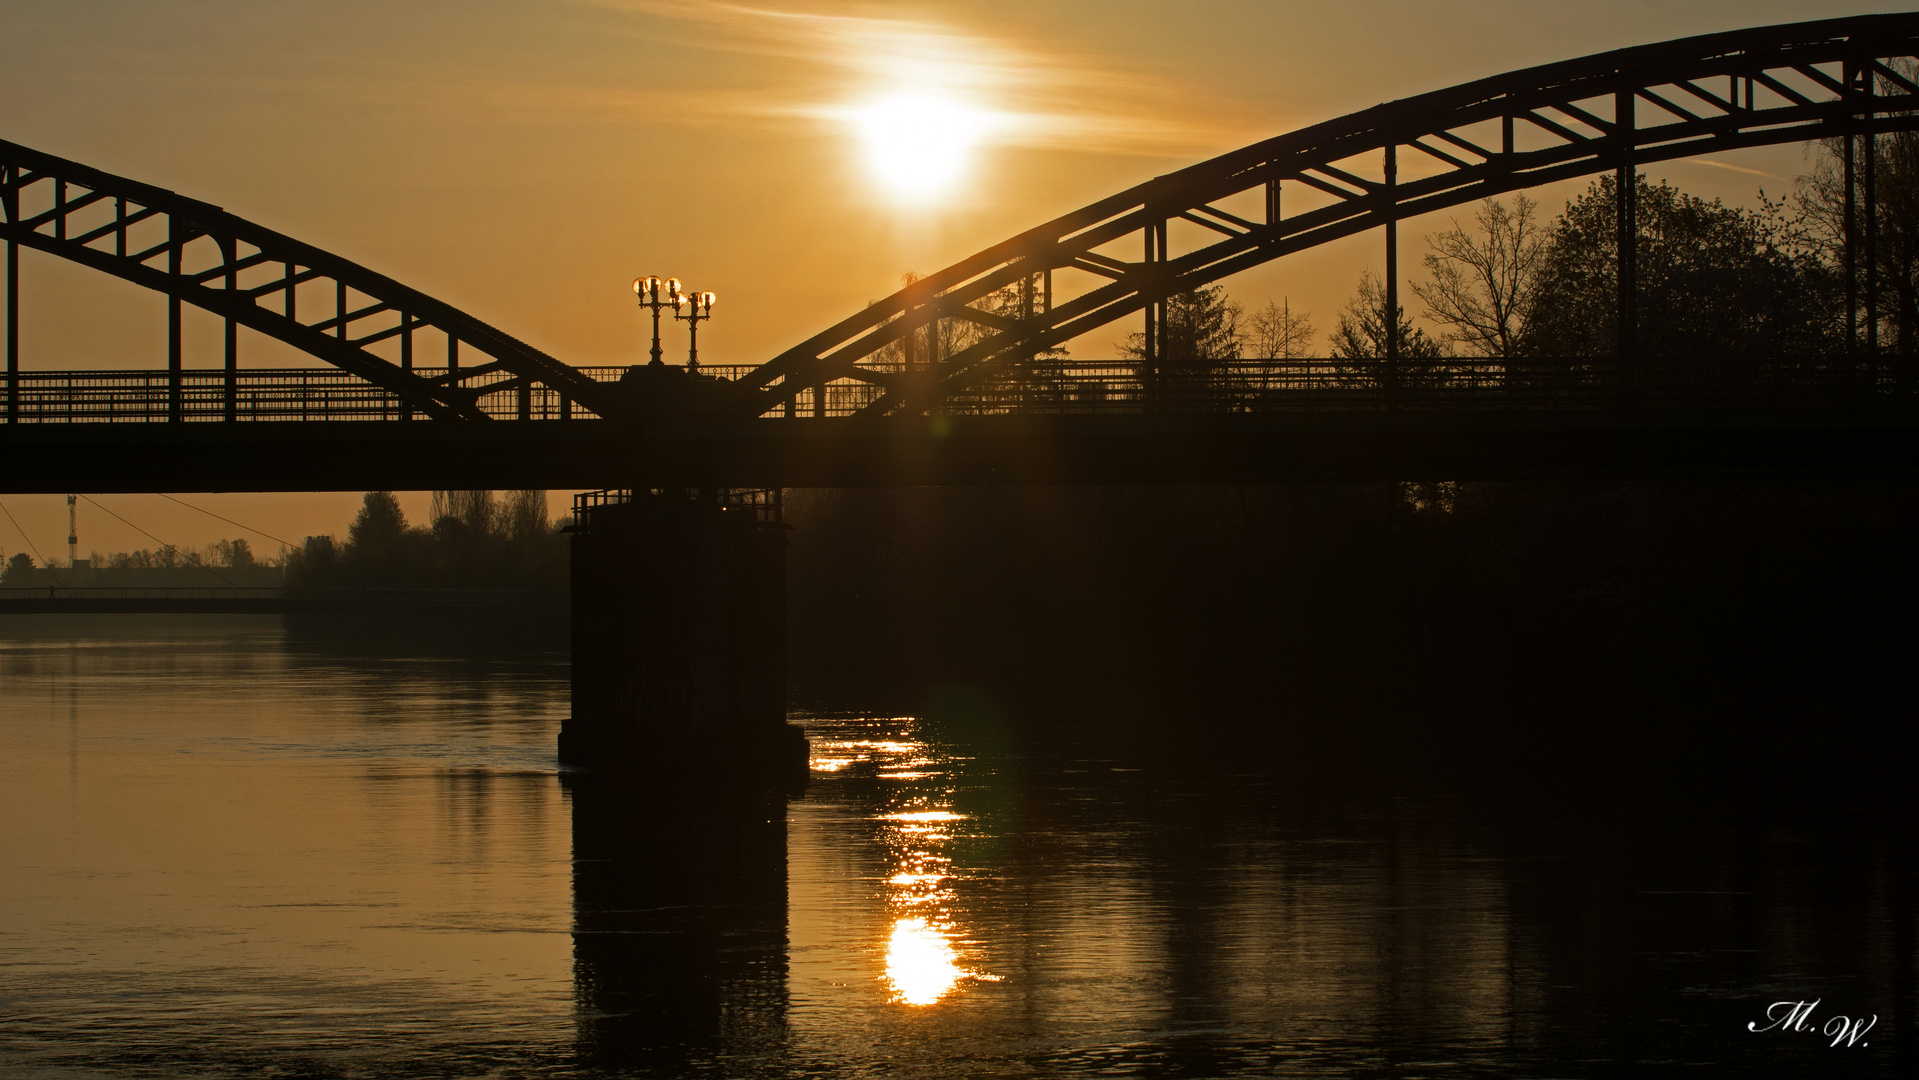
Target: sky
[[526, 159]]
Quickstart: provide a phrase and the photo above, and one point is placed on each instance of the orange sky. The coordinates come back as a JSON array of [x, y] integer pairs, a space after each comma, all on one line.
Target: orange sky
[[525, 159]]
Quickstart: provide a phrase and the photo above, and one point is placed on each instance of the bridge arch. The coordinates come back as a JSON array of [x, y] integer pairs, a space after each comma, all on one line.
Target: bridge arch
[[200, 254], [1608, 112]]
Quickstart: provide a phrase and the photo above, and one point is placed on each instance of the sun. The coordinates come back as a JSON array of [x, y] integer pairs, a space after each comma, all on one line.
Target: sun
[[919, 146]]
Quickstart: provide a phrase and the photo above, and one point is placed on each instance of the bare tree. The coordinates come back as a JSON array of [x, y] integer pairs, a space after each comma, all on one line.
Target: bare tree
[[1275, 333], [478, 511], [523, 516], [1483, 283], [1820, 224]]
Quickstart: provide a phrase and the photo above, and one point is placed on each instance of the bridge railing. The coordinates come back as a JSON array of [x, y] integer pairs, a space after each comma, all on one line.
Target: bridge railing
[[1316, 384], [1310, 384], [766, 505], [196, 396]]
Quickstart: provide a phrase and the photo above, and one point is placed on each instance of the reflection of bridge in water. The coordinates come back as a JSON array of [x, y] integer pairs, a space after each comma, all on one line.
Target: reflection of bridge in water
[[422, 395]]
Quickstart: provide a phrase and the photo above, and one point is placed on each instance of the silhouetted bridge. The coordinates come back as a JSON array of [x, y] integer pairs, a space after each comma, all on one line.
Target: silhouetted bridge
[[417, 394], [677, 621]]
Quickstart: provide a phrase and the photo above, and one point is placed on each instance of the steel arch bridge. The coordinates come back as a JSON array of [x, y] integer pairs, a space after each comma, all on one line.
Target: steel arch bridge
[[1604, 113], [1120, 257]]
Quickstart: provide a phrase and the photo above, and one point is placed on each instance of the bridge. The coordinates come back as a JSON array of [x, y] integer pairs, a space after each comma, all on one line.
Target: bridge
[[417, 394]]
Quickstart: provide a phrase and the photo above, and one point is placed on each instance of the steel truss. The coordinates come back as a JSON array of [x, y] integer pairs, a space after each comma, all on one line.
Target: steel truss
[[1604, 113], [336, 310]]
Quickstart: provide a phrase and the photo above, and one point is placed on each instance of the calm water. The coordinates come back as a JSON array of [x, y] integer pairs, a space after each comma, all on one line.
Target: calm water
[[226, 857]]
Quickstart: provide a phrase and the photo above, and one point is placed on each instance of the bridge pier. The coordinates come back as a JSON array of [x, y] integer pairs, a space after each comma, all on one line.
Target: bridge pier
[[679, 638]]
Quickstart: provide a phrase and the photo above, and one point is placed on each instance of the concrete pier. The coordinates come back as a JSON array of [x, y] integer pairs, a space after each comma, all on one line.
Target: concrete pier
[[679, 637]]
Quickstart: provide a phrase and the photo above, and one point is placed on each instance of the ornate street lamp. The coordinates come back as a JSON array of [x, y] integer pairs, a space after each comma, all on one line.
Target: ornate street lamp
[[700, 308], [656, 294]]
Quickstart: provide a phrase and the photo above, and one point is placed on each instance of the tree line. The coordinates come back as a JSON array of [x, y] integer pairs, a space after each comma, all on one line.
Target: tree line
[[472, 539], [20, 570]]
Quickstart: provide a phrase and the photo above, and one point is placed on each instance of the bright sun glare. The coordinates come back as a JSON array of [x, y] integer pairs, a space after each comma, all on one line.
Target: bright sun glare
[[920, 965], [919, 145]]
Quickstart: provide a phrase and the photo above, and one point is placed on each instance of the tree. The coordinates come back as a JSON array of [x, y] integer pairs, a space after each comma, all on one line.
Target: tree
[[1483, 283], [19, 568], [945, 337], [1277, 335], [1361, 337], [1820, 201], [470, 513], [1713, 280], [378, 532], [1039, 370], [523, 518], [234, 553], [1276, 332], [1198, 339]]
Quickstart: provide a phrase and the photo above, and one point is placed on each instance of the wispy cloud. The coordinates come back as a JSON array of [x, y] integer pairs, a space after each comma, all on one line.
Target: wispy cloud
[[1037, 97], [1737, 168]]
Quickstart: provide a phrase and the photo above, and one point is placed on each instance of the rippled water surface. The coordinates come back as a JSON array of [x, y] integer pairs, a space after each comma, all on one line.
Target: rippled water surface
[[223, 856]]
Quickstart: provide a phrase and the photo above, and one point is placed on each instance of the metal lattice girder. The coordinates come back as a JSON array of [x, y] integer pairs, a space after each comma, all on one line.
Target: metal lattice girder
[[1708, 94], [200, 254]]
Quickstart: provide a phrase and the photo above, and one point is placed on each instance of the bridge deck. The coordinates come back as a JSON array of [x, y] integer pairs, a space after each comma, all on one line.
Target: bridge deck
[[1065, 422], [1018, 449]]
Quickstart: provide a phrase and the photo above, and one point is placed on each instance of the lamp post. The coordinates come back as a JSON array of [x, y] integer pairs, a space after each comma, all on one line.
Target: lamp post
[[656, 294], [700, 308]]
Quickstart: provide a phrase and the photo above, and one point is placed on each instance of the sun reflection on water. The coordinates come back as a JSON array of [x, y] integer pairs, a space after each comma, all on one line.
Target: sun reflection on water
[[923, 960], [921, 966]]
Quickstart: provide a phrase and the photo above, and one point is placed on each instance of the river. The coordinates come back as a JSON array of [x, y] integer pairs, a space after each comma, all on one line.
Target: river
[[227, 855]]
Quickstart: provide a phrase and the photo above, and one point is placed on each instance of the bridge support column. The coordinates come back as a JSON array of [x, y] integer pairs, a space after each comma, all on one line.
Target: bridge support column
[[679, 639]]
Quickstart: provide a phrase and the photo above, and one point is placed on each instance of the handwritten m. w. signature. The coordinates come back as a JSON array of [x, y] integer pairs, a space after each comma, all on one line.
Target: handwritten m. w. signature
[[1796, 1017]]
